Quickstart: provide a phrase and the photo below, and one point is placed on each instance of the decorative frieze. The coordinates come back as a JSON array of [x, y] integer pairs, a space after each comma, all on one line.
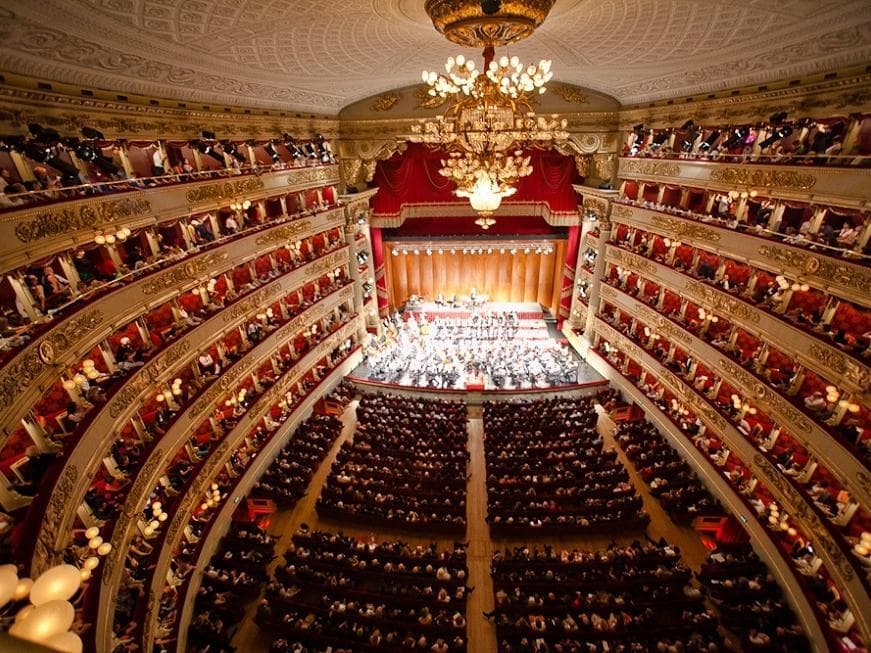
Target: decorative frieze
[[722, 303], [763, 178], [20, 373], [146, 376], [327, 175], [631, 261], [681, 229], [226, 190], [50, 223], [190, 271], [652, 168], [790, 258], [46, 552], [251, 303], [283, 234]]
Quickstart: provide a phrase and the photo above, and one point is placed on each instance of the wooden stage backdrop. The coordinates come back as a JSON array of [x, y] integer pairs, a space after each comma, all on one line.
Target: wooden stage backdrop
[[504, 277]]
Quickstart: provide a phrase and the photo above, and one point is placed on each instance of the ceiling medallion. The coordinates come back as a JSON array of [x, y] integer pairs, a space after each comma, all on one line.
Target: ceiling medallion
[[487, 23]]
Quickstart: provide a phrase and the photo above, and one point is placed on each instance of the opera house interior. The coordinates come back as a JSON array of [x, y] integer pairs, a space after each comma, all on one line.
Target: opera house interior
[[435, 326]]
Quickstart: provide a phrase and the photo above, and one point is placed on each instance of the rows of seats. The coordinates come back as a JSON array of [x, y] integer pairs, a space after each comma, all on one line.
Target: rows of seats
[[637, 597], [787, 535], [405, 467], [339, 593], [669, 477], [547, 471], [234, 576]]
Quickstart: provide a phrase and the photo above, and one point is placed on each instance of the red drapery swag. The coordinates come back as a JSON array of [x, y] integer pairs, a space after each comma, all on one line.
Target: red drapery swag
[[572, 246], [412, 177], [380, 274]]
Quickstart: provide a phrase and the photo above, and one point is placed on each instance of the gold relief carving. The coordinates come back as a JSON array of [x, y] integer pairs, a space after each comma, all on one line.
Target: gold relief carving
[[385, 102], [808, 263], [221, 387], [603, 165], [750, 176], [313, 175], [845, 275], [18, 375], [621, 211], [46, 224], [607, 291], [596, 206], [147, 376], [254, 302], [187, 272], [582, 163], [283, 234], [805, 515], [728, 305], [46, 553], [841, 364], [226, 190], [571, 94], [678, 229], [130, 513], [656, 168], [773, 400], [633, 261], [464, 22]]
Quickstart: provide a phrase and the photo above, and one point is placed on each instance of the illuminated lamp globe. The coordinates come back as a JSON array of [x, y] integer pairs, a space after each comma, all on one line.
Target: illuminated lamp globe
[[8, 583], [45, 620], [67, 642], [85, 574], [23, 589], [94, 542], [161, 517], [23, 612], [58, 583], [91, 563], [92, 532], [104, 549]]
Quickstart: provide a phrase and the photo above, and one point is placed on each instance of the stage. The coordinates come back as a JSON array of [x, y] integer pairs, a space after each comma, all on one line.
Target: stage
[[493, 347]]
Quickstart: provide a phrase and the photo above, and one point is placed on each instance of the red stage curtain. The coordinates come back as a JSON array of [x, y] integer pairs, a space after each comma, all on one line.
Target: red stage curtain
[[380, 276], [412, 177]]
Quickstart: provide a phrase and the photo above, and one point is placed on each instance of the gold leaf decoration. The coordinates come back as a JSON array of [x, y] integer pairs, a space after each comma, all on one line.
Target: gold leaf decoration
[[385, 102]]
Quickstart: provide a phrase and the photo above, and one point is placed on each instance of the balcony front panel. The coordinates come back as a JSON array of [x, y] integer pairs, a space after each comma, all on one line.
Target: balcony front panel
[[39, 364], [850, 471], [809, 351], [840, 277], [821, 184], [833, 555], [126, 525], [57, 520], [29, 234]]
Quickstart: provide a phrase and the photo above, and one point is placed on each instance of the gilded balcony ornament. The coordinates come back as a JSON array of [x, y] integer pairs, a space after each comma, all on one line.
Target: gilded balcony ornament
[[596, 207], [146, 377], [679, 229], [604, 165], [46, 552], [464, 22], [621, 211], [324, 174], [723, 303], [385, 102], [17, 376], [651, 168], [841, 364], [571, 94], [853, 277], [226, 190], [776, 179], [633, 261], [190, 271], [223, 385], [252, 303], [283, 234], [791, 258], [40, 225]]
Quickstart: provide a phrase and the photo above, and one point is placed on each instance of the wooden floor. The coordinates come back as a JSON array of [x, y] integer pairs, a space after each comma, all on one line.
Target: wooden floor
[[481, 633]]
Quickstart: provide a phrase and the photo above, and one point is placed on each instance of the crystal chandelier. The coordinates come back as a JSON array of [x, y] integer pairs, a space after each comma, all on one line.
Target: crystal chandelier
[[487, 126]]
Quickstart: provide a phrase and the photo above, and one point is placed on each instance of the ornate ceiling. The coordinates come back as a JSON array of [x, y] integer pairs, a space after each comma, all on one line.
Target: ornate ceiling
[[316, 56]]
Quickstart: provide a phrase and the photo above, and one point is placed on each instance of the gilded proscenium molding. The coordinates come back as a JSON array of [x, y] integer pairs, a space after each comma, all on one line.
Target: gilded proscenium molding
[[93, 214], [39, 364], [221, 455], [58, 227], [176, 436], [91, 447], [708, 474], [842, 277], [837, 459], [824, 185], [834, 557], [222, 520], [790, 339]]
